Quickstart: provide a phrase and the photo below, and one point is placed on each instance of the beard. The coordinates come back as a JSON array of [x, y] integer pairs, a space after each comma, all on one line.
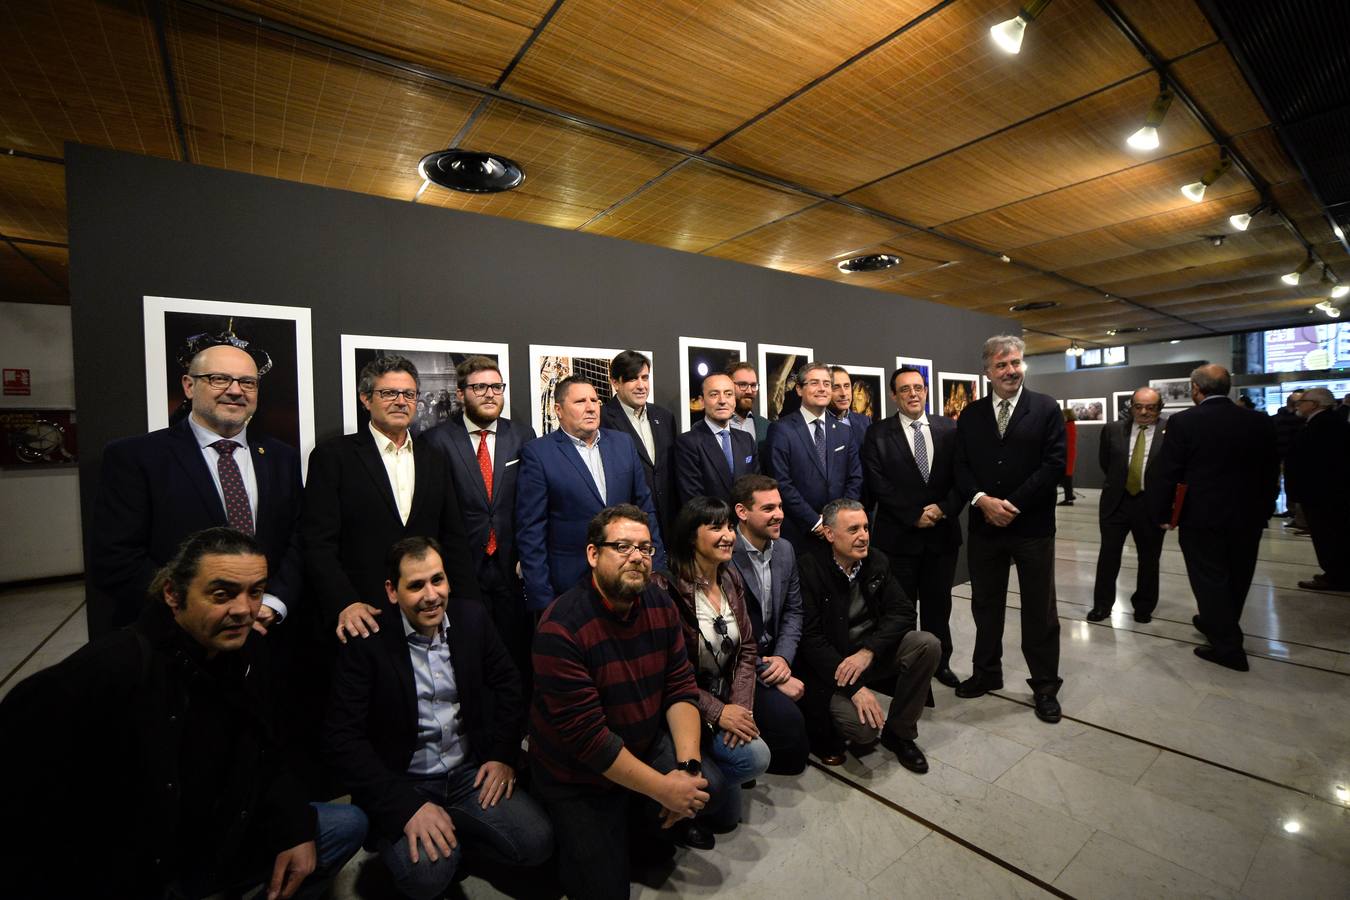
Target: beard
[[624, 586]]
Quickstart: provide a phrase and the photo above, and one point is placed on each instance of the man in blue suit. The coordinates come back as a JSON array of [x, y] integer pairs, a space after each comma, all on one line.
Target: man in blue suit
[[565, 478], [484, 454], [711, 455], [814, 458]]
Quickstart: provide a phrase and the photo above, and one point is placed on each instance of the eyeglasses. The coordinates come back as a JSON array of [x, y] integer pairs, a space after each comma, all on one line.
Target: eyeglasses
[[720, 626], [482, 390], [746, 385], [626, 548], [817, 382], [907, 389], [389, 395], [220, 381], [1145, 407]]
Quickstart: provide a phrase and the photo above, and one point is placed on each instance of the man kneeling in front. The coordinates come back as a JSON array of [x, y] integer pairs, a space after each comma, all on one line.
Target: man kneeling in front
[[147, 763], [424, 726]]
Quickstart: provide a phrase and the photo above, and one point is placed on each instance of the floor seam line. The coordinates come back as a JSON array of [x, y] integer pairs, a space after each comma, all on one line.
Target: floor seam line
[[23, 662]]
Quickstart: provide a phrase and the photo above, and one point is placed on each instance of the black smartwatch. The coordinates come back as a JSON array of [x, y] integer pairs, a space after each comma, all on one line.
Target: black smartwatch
[[692, 766]]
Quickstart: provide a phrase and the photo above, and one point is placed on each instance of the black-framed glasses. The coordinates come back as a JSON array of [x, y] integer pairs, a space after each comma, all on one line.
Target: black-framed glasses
[[907, 389], [626, 548], [720, 626], [220, 381], [389, 395], [482, 390], [746, 385]]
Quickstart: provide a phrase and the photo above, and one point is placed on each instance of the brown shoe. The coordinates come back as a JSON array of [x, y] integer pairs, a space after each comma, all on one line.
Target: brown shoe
[[832, 759]]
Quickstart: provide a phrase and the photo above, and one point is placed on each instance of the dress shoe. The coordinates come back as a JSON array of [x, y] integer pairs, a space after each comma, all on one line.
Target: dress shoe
[[946, 676], [694, 836], [1047, 708], [975, 686], [1235, 661], [748, 785], [832, 758], [1195, 623], [1065, 503], [907, 752], [1320, 584], [1143, 618], [1097, 615]]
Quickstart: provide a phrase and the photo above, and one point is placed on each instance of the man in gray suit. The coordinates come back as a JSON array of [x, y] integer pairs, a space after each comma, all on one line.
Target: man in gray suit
[[1128, 454], [768, 566], [483, 449]]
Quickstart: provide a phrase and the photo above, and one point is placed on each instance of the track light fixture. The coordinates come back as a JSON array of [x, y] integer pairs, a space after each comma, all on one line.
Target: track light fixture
[[1292, 278], [1074, 350], [1195, 191], [1335, 288], [1329, 308], [1146, 138], [1242, 220], [1008, 35], [1340, 291]]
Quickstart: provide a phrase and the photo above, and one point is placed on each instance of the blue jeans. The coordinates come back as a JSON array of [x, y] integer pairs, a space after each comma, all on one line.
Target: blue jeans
[[732, 766], [515, 832], [340, 833]]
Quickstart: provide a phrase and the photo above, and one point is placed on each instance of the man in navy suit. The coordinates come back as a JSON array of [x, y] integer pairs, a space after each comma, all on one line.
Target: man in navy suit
[[909, 467], [565, 478], [841, 405], [483, 449], [814, 458], [206, 470], [711, 455], [1009, 458], [651, 428]]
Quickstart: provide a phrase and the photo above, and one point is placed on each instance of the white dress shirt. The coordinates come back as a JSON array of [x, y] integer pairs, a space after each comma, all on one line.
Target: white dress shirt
[[398, 464], [590, 455], [642, 424], [925, 433], [474, 438], [1012, 408]]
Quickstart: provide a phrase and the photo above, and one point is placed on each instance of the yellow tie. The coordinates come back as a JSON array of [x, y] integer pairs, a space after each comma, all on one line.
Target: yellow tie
[[1134, 482]]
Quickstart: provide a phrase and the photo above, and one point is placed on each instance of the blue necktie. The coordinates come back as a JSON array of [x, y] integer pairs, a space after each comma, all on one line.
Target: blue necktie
[[820, 443], [920, 451], [725, 437]]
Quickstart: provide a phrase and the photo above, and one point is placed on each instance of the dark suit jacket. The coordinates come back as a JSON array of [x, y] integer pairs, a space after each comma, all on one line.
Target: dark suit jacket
[[351, 520], [893, 481], [1226, 456], [482, 515], [556, 498], [700, 467], [781, 612], [1023, 467], [1314, 470], [660, 472], [371, 728], [1113, 453], [805, 487], [859, 423], [156, 489]]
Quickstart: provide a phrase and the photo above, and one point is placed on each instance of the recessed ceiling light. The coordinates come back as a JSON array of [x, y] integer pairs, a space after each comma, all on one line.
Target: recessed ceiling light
[[1133, 329], [1177, 341], [470, 171], [872, 262], [1033, 305], [1005, 258]]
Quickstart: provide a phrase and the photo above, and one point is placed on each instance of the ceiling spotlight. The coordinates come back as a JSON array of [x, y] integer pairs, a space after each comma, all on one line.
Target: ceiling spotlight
[[1336, 230], [1005, 258], [1146, 138], [1292, 278], [1008, 35], [470, 171], [1133, 329], [1215, 239], [1074, 350], [1329, 308], [1177, 341], [872, 262], [1195, 191], [1242, 220], [1340, 290], [1342, 793]]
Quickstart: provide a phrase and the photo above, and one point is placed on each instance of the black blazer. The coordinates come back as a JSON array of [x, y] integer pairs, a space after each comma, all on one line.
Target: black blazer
[[482, 515], [156, 489], [351, 520], [1226, 456], [1314, 470], [1023, 467], [371, 727], [700, 467], [893, 481], [1113, 454], [660, 472]]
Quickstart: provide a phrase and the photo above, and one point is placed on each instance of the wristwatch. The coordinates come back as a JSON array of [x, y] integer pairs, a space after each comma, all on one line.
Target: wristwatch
[[692, 766]]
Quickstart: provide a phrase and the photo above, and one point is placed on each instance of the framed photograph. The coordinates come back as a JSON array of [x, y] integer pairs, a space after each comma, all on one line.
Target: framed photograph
[[926, 367], [700, 357], [435, 360], [956, 391], [984, 385], [1089, 411], [869, 392], [279, 335], [1120, 402], [551, 364], [778, 365], [1176, 392]]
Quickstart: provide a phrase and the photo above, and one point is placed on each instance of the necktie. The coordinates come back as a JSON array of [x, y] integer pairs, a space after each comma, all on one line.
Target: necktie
[[238, 513], [1134, 482], [920, 451], [1002, 417], [485, 466], [725, 437], [820, 442]]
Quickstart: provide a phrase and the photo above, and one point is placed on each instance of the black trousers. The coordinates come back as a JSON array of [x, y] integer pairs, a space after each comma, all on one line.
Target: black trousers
[[1130, 518], [927, 580], [1220, 564], [989, 556], [505, 601], [1066, 482], [1330, 527]]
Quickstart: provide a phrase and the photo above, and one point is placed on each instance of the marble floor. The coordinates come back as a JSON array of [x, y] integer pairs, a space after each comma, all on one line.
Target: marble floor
[[1168, 776]]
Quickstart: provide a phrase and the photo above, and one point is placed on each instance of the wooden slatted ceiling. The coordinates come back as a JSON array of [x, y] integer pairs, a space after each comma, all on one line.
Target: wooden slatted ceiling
[[32, 199], [1236, 247], [1216, 83], [33, 274], [937, 86], [687, 71], [824, 231], [1171, 28]]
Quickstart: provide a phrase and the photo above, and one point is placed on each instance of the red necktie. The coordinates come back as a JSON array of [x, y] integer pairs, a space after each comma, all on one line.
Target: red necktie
[[238, 513], [485, 466]]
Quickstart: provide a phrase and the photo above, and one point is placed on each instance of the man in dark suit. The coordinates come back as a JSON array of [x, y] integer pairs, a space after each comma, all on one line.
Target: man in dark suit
[[1288, 423], [370, 489], [909, 468], [746, 380], [841, 405], [814, 458], [483, 450], [1314, 475], [1009, 457], [711, 455], [1128, 454], [1226, 457], [565, 478], [424, 728], [651, 428], [208, 469]]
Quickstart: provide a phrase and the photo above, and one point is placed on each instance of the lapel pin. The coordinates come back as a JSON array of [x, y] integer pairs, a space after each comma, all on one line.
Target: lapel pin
[[747, 460], [262, 450]]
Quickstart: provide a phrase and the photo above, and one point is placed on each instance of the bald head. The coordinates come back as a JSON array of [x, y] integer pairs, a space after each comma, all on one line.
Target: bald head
[[1211, 381]]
